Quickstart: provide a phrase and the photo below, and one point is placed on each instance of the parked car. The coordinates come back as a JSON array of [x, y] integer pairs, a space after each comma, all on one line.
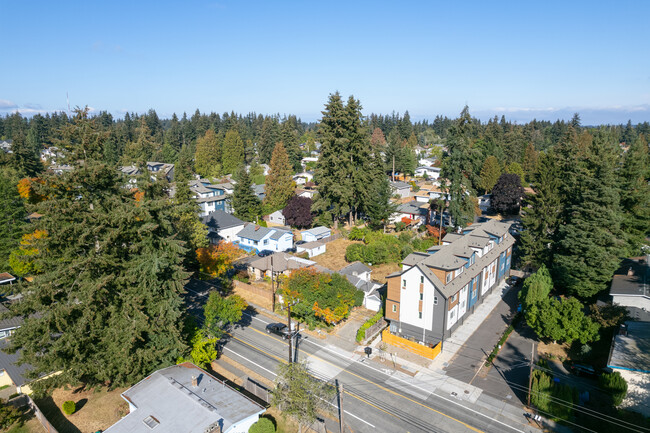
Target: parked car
[[265, 253], [513, 281], [582, 370], [290, 250], [280, 329]]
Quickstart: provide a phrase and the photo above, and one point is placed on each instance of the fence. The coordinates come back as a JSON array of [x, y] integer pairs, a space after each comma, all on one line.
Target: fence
[[266, 294], [257, 389], [41, 418], [370, 332], [331, 238], [411, 346]]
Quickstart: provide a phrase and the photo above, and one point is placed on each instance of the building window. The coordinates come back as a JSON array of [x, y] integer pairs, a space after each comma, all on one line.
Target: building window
[[449, 276], [403, 283], [420, 315], [435, 300], [421, 279], [394, 308], [266, 241], [421, 296], [452, 299]]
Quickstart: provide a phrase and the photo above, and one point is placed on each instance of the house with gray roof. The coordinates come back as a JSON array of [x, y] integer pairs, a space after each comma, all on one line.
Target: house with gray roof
[[5, 145], [631, 287], [412, 212], [435, 291], [360, 276], [222, 226], [316, 233], [401, 189], [12, 374], [256, 238], [277, 263], [210, 197], [185, 398], [8, 324]]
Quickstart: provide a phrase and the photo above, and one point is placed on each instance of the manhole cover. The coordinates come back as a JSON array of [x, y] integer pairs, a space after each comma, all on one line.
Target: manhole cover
[[466, 392]]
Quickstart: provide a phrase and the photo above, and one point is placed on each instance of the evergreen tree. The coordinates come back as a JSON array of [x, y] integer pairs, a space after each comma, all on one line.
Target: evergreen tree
[[26, 159], [142, 149], [279, 183], [542, 213], [490, 174], [333, 172], [244, 201], [12, 218], [456, 168], [360, 159], [207, 158], [107, 306], [289, 138], [635, 196], [530, 163], [269, 136], [233, 152], [590, 247]]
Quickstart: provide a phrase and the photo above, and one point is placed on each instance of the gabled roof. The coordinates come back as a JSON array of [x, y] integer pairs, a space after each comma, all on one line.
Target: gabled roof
[[400, 185], [6, 277], [311, 245], [354, 268], [317, 231], [8, 362], [168, 401], [257, 233], [220, 220], [8, 322], [411, 207], [280, 262]]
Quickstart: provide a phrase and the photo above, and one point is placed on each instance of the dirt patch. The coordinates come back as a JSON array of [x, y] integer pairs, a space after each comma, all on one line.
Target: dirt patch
[[255, 299], [96, 409], [28, 424], [380, 272], [334, 257], [553, 350]]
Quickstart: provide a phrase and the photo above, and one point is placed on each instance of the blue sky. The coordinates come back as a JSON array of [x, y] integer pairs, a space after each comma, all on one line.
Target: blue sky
[[524, 59]]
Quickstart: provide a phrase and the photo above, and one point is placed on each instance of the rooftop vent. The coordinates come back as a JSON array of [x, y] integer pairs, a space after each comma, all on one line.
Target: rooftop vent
[[630, 272], [151, 422]]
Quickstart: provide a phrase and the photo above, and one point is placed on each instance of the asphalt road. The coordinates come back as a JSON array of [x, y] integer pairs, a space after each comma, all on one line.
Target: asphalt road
[[375, 398]]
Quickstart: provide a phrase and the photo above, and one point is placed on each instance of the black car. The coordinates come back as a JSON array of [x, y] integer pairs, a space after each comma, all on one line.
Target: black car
[[265, 253], [278, 328], [290, 250]]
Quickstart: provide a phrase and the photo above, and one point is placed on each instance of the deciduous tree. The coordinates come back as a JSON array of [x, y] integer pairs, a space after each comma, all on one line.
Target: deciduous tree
[[507, 194], [216, 260], [220, 312], [297, 212]]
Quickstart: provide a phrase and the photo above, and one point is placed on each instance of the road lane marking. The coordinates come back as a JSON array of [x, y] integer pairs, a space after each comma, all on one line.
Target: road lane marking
[[252, 362]]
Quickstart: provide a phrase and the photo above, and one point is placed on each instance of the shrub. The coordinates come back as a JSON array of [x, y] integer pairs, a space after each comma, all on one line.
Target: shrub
[[263, 425], [68, 407], [361, 333], [615, 385]]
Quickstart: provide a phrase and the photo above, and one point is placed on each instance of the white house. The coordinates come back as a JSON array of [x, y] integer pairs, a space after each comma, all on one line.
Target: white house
[[401, 189], [5, 145], [317, 233], [276, 218], [186, 398], [312, 248], [430, 192], [303, 177], [430, 172], [427, 162], [257, 238], [222, 226], [413, 211], [630, 287], [360, 276], [484, 202], [209, 197]]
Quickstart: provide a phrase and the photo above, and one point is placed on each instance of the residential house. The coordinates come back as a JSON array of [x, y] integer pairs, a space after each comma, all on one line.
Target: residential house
[[630, 356], [360, 276], [411, 213], [306, 192], [631, 287], [311, 160], [51, 154], [401, 189], [257, 238], [427, 162], [185, 398], [276, 218], [209, 197], [312, 249], [429, 172], [222, 226], [277, 263], [12, 374], [260, 191], [8, 325], [152, 167], [303, 177], [430, 192], [227, 187], [315, 234], [435, 291], [484, 202], [5, 145], [6, 278]]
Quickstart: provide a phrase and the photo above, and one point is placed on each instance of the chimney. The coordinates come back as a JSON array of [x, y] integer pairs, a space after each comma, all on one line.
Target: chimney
[[195, 382], [630, 272], [257, 228]]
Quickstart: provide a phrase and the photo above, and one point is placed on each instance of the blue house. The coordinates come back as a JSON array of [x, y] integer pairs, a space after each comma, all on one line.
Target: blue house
[[209, 197], [257, 238]]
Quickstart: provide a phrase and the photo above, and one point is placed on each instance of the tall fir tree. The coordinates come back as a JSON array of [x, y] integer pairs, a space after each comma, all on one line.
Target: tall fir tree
[[207, 158], [590, 245], [233, 152], [490, 173], [333, 172], [289, 138], [542, 213], [635, 195], [12, 217], [529, 163], [361, 168], [106, 307], [279, 183], [456, 168], [25, 158], [269, 136], [244, 201]]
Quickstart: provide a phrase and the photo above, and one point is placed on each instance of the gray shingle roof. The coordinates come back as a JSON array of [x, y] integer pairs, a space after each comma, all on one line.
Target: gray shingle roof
[[317, 231], [281, 262], [8, 361], [354, 268], [8, 322], [257, 233], [400, 185], [220, 220], [169, 397]]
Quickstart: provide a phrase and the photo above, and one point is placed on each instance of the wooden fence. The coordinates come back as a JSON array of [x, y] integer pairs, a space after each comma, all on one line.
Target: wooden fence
[[411, 346], [331, 238], [40, 417], [257, 389], [266, 294]]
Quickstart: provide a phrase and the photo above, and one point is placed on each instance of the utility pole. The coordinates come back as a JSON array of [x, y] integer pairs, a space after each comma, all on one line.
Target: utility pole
[[393, 168], [530, 376], [272, 285], [340, 407], [442, 203], [290, 336]]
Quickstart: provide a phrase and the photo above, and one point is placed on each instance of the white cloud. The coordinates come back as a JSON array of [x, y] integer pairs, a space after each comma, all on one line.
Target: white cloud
[[7, 105]]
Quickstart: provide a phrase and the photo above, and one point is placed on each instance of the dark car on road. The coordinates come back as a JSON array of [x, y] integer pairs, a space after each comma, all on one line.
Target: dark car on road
[[265, 253], [280, 329]]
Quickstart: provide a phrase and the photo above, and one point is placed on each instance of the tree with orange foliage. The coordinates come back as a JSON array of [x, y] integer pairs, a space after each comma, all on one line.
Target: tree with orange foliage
[[216, 260], [26, 190]]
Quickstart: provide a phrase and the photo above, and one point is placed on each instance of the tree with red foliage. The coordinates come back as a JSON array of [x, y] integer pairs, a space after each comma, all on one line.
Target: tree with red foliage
[[507, 194], [297, 212]]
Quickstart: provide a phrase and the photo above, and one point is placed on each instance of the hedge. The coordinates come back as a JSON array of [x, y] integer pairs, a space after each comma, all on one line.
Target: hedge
[[361, 333]]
